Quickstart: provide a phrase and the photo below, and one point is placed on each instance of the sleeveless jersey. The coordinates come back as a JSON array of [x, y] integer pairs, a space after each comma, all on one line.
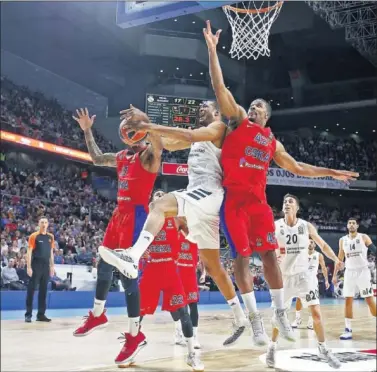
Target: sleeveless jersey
[[165, 245], [135, 184], [293, 242], [204, 168], [355, 252], [314, 263], [188, 252], [245, 158]]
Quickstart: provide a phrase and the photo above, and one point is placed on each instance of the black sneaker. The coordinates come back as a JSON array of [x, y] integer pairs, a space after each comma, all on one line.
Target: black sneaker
[[28, 319], [43, 318], [236, 334]]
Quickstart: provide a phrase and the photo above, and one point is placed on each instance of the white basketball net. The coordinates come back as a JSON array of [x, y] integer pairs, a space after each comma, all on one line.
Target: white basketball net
[[251, 22]]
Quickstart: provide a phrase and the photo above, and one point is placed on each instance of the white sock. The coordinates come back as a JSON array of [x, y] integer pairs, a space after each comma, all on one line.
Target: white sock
[[310, 320], [141, 245], [178, 325], [277, 297], [348, 321], [195, 330], [99, 307], [250, 302], [134, 326], [190, 344], [236, 308], [272, 344], [322, 344], [298, 314]]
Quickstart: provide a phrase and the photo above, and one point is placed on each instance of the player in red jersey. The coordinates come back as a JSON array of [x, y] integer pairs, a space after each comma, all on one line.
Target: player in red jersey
[[160, 274], [247, 219], [187, 263], [137, 170]]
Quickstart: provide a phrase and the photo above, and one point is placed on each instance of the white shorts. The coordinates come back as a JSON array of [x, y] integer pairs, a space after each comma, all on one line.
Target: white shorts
[[201, 207], [303, 286], [357, 278]]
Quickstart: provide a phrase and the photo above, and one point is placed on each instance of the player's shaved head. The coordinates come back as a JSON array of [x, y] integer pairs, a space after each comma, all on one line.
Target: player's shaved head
[[259, 111]]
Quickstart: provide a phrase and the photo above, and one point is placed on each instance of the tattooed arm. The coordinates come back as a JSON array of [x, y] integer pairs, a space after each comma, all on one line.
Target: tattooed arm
[[86, 122]]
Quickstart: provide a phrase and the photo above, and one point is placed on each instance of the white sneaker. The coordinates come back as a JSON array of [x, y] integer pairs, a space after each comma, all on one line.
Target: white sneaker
[[347, 335], [283, 324], [270, 356], [193, 360], [120, 259], [178, 338], [257, 326], [296, 323], [330, 358], [310, 325]]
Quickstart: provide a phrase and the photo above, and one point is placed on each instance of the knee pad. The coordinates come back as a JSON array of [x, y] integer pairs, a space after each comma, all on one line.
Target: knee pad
[[184, 315], [104, 271]]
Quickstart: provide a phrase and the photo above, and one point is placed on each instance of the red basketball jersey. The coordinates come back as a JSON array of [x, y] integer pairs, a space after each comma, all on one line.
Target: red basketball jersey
[[165, 244], [135, 184], [188, 252], [245, 157]]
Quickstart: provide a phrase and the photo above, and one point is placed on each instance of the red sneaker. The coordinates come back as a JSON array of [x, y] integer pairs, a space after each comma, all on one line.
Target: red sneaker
[[132, 345], [91, 323]]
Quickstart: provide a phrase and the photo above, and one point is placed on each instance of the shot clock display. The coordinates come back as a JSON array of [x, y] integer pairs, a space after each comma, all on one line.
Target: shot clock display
[[172, 111]]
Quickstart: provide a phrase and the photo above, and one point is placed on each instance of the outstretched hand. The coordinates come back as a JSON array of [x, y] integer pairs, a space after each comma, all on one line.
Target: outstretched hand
[[211, 39], [345, 176], [134, 119], [85, 121]]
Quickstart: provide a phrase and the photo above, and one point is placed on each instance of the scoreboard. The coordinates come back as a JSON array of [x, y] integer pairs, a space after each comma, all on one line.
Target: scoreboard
[[172, 111]]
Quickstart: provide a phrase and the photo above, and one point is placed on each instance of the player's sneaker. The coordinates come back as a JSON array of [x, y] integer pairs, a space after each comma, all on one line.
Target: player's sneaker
[[270, 356], [193, 360], [330, 358], [282, 322], [120, 259], [178, 337], [236, 334], [257, 326], [310, 324], [347, 335], [296, 323], [91, 323], [132, 345]]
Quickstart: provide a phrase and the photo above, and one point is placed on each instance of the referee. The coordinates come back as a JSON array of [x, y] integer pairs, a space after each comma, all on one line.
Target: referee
[[40, 265]]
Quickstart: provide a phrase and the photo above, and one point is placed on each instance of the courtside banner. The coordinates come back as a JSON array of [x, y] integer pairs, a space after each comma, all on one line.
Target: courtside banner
[[276, 176], [44, 146]]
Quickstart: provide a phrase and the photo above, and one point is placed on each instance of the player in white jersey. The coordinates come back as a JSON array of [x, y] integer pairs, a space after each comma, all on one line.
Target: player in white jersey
[[354, 248], [200, 203], [315, 259], [293, 236]]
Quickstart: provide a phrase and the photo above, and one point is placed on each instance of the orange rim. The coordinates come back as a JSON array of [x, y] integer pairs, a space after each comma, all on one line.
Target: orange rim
[[254, 11]]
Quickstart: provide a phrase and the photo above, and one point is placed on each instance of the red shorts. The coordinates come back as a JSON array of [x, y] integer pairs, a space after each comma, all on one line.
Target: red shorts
[[190, 283], [161, 277], [247, 225], [124, 227]]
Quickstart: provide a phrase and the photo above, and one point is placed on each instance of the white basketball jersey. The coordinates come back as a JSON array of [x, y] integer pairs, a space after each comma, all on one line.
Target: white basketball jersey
[[293, 242], [355, 252], [204, 168], [313, 263]]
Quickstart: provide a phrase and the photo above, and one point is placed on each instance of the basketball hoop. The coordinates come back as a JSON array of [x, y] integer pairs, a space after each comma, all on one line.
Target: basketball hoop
[[251, 22]]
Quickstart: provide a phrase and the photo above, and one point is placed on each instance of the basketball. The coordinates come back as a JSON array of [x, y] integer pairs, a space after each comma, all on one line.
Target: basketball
[[132, 137]]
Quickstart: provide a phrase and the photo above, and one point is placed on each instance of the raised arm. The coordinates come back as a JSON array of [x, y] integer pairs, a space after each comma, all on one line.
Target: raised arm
[[86, 123], [286, 161], [212, 132], [341, 258], [225, 99]]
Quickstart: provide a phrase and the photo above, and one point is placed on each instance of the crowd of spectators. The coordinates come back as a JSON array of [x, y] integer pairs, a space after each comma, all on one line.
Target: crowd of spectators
[[33, 115], [77, 214]]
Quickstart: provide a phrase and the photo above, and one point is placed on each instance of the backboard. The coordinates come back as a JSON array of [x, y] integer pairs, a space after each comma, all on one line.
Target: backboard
[[136, 13]]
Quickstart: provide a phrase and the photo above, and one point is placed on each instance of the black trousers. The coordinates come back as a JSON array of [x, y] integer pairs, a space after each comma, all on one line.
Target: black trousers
[[41, 275]]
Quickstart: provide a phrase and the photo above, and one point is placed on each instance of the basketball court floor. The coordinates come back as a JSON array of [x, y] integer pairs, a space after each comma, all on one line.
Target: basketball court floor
[[51, 347]]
